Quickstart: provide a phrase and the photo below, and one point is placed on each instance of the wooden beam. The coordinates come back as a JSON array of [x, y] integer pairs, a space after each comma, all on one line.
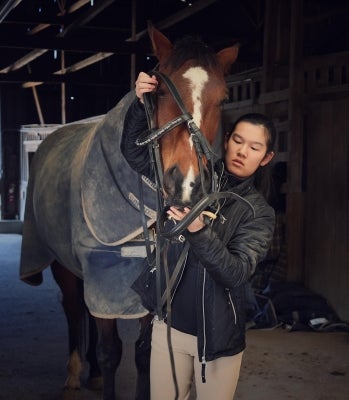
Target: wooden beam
[[84, 63], [7, 7], [295, 196], [87, 17], [128, 47], [77, 5], [177, 17], [47, 78], [24, 60], [73, 44]]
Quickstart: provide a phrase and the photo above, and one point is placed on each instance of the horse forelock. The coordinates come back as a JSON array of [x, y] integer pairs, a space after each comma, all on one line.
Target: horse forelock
[[191, 48]]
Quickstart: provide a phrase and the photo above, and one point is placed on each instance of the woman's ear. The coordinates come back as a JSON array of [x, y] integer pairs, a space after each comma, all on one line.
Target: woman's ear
[[267, 158]]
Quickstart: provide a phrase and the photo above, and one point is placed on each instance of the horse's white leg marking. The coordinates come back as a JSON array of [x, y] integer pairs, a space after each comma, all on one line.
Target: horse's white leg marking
[[74, 368], [198, 77]]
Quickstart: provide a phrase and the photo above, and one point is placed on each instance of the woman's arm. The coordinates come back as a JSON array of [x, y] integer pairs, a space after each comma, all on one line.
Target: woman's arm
[[136, 123], [234, 263]]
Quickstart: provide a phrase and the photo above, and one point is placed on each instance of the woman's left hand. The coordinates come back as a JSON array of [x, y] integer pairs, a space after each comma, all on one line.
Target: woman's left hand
[[178, 214]]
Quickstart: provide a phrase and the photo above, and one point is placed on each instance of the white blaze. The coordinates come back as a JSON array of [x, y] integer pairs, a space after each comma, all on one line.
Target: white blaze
[[197, 77], [187, 188]]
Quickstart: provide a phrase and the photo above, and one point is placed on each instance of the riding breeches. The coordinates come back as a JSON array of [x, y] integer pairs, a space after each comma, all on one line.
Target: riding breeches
[[221, 374]]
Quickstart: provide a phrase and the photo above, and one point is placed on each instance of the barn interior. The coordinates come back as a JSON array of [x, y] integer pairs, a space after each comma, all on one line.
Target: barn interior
[[68, 60]]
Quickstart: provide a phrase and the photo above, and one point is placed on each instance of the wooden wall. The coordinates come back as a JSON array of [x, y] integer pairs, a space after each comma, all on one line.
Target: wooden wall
[[308, 99], [326, 217]]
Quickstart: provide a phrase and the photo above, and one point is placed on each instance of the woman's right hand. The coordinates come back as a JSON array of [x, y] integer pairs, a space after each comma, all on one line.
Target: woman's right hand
[[145, 84]]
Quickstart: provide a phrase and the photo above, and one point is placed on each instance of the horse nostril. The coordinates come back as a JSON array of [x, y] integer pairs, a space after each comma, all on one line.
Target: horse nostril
[[170, 180]]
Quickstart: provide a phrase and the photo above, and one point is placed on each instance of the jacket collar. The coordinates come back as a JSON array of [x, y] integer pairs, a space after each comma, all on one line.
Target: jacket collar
[[228, 182]]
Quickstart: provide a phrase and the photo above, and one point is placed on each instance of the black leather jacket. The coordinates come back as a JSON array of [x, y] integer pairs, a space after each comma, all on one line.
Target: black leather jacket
[[226, 253]]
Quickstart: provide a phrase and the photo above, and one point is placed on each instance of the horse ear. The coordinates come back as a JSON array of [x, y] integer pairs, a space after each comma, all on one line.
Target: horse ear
[[227, 57], [162, 47]]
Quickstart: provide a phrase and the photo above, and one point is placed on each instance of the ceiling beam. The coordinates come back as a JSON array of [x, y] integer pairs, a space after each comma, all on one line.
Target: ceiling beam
[[84, 63], [7, 7], [24, 60], [72, 44], [35, 78], [102, 53], [161, 25], [177, 17], [87, 17]]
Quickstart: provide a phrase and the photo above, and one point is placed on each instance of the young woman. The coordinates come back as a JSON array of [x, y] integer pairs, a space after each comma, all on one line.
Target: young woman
[[208, 299]]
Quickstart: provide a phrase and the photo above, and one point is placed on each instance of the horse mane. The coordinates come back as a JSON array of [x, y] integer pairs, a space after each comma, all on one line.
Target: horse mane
[[188, 48]]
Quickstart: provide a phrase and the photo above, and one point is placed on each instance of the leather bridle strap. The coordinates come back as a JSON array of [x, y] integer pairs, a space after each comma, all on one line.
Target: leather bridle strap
[[166, 297]]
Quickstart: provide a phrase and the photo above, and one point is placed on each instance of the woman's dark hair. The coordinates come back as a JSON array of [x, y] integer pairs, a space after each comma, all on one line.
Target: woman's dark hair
[[263, 180]]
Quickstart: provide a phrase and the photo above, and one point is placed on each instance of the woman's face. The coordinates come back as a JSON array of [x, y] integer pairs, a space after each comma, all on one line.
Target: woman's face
[[246, 149]]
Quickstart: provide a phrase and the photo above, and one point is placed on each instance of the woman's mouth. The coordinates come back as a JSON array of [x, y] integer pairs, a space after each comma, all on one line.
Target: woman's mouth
[[237, 163]]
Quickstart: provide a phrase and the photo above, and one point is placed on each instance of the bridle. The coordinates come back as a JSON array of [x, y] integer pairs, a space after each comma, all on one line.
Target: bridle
[[153, 134], [203, 151]]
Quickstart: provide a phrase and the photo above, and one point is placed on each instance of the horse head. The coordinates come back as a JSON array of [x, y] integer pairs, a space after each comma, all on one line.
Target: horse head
[[197, 73]]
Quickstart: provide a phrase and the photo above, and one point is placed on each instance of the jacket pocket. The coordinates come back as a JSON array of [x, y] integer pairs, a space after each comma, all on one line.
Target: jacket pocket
[[231, 305]]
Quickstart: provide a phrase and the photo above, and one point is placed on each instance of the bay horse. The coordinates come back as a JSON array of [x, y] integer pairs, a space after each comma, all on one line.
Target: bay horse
[[84, 213]]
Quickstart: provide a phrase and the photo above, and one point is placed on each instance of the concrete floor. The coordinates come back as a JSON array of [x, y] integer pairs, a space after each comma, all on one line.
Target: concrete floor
[[33, 350]]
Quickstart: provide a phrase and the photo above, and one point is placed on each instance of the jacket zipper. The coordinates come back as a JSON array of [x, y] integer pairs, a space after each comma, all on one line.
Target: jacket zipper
[[232, 304]]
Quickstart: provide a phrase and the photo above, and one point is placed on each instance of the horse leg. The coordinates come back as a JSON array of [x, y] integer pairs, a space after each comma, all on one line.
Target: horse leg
[[71, 289], [142, 358], [95, 380], [109, 352]]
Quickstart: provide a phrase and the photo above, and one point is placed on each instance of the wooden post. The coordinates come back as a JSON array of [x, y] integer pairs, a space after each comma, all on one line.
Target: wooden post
[[36, 100], [133, 55], [294, 213], [63, 97]]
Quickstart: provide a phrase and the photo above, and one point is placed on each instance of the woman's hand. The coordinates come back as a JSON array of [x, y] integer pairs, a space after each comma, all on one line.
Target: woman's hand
[[178, 215], [145, 84]]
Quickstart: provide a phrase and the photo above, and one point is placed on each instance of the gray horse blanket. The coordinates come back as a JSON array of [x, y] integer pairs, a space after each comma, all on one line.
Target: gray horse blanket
[[83, 209]]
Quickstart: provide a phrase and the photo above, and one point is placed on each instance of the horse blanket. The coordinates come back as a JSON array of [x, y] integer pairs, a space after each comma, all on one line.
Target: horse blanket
[[83, 209]]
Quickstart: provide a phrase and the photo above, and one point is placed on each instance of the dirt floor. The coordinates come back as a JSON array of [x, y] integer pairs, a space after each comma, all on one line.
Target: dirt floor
[[33, 350]]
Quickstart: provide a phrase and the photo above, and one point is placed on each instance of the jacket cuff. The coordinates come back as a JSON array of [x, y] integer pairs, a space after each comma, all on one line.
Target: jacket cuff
[[193, 236]]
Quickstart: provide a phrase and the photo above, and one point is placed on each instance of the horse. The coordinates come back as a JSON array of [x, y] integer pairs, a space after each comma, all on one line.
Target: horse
[[87, 212]]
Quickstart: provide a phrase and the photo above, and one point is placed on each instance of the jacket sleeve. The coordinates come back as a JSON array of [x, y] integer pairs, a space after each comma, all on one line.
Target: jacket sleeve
[[232, 264], [135, 123]]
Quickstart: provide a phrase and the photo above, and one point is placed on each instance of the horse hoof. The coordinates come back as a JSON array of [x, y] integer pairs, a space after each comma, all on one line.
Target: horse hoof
[[95, 383]]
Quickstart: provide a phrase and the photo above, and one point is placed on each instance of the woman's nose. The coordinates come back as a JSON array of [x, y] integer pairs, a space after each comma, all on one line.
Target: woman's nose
[[242, 151]]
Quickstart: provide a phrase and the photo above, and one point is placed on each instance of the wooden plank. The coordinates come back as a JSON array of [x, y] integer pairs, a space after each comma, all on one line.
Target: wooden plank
[[274, 97], [294, 198]]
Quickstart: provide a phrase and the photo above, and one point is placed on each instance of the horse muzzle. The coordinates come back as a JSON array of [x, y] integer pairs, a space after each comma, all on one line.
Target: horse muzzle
[[181, 191]]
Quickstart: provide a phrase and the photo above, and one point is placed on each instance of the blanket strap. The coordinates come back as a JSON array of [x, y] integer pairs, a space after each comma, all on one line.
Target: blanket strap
[[143, 219]]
